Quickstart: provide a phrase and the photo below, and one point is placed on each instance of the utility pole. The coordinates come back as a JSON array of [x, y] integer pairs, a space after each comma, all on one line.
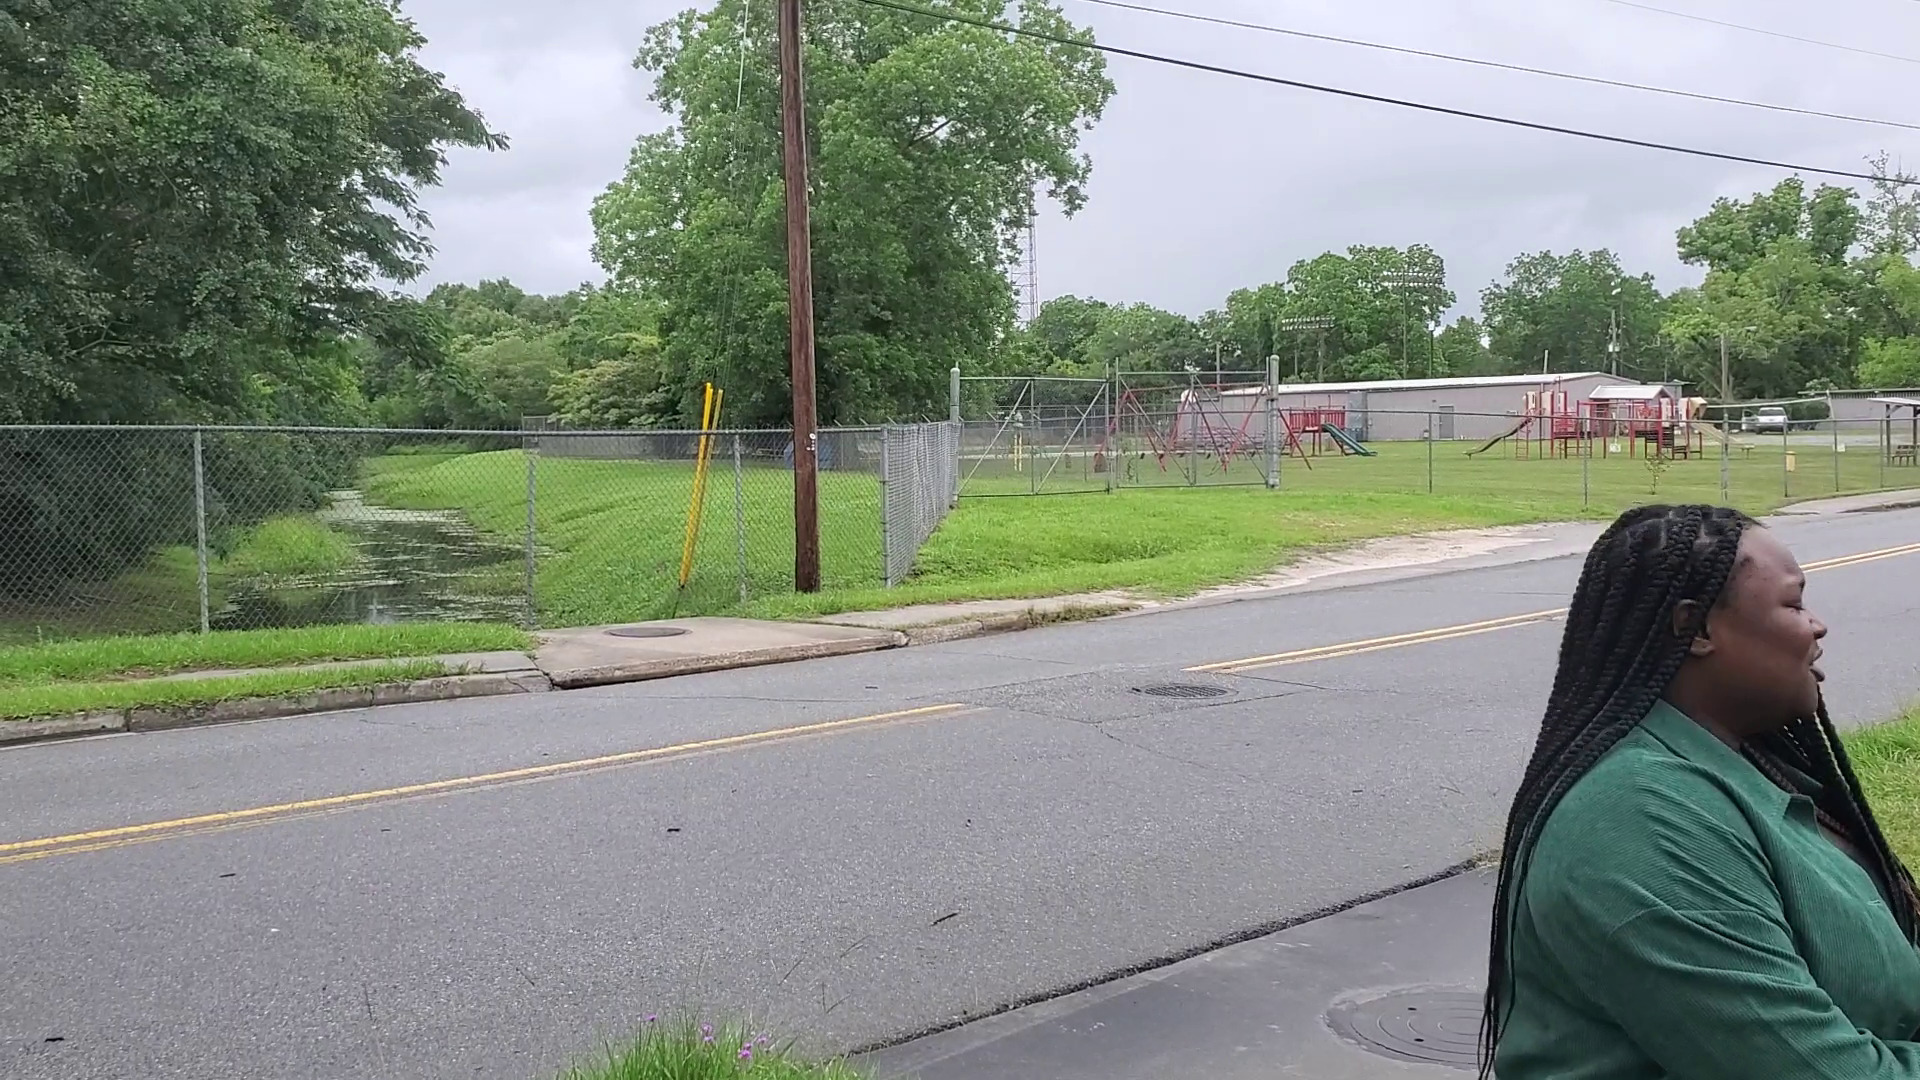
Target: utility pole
[[793, 137]]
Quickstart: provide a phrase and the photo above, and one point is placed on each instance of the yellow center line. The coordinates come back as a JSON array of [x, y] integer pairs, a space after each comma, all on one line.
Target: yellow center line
[[100, 839], [1449, 633]]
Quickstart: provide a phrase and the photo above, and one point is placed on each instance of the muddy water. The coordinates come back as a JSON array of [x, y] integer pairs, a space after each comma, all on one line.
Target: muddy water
[[414, 566]]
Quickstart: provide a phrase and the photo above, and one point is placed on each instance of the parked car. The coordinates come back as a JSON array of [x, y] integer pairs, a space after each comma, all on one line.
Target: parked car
[[1770, 418]]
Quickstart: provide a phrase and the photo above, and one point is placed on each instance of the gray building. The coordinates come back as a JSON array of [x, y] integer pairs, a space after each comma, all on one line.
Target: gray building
[[1476, 408]]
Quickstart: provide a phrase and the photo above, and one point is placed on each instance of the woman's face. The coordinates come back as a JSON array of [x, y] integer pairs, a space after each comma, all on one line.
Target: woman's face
[[1761, 648]]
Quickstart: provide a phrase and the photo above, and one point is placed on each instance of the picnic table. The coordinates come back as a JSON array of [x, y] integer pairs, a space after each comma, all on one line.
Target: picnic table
[[1903, 454]]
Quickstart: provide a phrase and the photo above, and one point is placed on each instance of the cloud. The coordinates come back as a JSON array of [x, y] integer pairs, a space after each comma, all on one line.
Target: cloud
[[1203, 183]]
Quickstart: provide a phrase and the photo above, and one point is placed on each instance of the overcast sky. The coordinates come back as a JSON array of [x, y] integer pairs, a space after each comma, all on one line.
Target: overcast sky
[[1204, 183]]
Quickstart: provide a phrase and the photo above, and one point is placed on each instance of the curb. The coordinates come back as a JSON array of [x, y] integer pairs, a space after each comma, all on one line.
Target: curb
[[168, 718], [668, 667], [1010, 622]]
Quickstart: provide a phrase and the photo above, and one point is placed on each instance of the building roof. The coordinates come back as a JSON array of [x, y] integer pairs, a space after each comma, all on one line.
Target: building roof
[[1628, 392], [1461, 383]]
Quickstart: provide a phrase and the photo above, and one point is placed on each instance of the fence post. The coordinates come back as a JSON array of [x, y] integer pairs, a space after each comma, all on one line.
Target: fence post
[[1727, 456], [1834, 423], [953, 394], [200, 532], [1273, 428], [1429, 453], [1786, 461], [1586, 460], [532, 451], [1110, 393], [886, 478], [739, 518]]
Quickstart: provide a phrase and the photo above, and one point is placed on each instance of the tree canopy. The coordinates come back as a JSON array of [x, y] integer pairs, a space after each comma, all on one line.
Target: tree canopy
[[199, 194], [930, 141]]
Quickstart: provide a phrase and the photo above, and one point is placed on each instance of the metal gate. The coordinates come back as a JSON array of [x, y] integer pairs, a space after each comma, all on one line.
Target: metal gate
[[1032, 435], [1198, 428]]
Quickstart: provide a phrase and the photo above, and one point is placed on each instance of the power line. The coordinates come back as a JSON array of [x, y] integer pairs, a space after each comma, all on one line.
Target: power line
[[1477, 62], [1196, 65], [1769, 33]]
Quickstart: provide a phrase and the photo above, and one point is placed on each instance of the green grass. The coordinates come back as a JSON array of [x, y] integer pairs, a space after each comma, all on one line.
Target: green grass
[[610, 533], [162, 654], [26, 700], [290, 546], [1887, 759], [669, 1051]]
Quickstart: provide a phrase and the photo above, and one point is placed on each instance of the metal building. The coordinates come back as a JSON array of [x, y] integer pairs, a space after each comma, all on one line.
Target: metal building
[[1475, 408]]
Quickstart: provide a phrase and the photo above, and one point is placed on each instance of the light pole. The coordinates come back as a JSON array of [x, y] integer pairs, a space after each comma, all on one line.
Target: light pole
[[1320, 323], [1406, 281]]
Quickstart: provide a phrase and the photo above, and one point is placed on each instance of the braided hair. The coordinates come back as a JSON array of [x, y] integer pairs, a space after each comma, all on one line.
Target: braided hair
[[1617, 657]]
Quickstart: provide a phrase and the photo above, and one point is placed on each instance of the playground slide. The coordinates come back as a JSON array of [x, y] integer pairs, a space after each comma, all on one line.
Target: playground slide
[[1348, 444], [1498, 439]]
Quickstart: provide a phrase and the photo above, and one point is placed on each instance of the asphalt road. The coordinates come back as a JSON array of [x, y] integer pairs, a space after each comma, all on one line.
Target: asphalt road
[[1014, 822]]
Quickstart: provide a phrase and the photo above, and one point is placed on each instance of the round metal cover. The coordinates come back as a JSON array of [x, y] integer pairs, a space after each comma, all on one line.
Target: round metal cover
[[1435, 1027], [647, 631], [1191, 691]]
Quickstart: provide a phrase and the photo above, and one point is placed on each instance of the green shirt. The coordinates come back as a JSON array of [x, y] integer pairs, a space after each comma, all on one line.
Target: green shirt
[[1684, 917]]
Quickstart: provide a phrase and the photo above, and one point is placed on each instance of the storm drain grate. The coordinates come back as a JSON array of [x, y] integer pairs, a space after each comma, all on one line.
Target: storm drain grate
[[1188, 691], [647, 631], [1439, 1027]]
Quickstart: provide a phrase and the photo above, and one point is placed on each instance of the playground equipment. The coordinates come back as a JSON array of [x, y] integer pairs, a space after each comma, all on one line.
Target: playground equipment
[[1203, 423], [1653, 425]]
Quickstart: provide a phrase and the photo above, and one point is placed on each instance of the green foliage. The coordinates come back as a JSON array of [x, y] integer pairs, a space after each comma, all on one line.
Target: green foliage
[[293, 545], [1891, 363], [1563, 310], [165, 654], [31, 699], [928, 142], [198, 192]]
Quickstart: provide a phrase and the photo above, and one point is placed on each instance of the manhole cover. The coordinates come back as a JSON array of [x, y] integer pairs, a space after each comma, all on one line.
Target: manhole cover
[[647, 631], [1183, 690], [1439, 1027]]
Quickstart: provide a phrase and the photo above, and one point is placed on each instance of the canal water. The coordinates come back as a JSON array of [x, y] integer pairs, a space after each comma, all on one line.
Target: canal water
[[414, 566]]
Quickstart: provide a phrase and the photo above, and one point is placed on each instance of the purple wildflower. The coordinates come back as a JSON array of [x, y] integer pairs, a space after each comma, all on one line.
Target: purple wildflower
[[746, 1052]]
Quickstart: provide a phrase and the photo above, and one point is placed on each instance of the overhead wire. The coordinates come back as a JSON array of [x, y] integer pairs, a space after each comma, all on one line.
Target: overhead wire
[[1380, 99], [1768, 33], [1496, 64]]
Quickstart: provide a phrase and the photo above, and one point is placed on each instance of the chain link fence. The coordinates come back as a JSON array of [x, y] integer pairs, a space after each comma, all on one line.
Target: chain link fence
[[920, 480], [1039, 435], [144, 530]]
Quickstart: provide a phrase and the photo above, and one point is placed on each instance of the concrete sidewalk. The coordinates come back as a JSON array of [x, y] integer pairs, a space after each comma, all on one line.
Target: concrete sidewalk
[[1383, 991]]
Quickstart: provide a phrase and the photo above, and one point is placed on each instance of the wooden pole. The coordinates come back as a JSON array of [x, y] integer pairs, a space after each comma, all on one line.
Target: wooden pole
[[793, 128]]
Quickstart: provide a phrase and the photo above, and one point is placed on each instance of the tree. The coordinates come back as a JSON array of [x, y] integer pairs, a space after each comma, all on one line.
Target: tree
[[1060, 331], [198, 195], [1375, 323], [1562, 311], [1891, 224], [929, 140], [1781, 284], [1463, 348]]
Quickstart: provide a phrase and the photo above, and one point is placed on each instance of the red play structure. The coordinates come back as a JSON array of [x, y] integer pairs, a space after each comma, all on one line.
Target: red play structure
[[1646, 419], [1199, 424]]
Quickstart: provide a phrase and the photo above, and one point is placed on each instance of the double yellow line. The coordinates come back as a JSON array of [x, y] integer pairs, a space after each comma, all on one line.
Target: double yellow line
[[1449, 633], [122, 836]]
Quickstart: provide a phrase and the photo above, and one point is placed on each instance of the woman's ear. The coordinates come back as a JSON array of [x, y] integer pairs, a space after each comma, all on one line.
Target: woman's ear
[[1690, 625]]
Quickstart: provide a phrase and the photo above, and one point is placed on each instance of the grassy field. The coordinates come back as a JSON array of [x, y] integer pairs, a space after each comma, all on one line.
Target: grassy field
[[143, 656], [1887, 759], [163, 594], [610, 533], [25, 700], [1759, 479]]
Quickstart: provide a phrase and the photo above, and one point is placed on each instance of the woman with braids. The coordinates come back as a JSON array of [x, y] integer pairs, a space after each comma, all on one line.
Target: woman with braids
[[1692, 886]]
